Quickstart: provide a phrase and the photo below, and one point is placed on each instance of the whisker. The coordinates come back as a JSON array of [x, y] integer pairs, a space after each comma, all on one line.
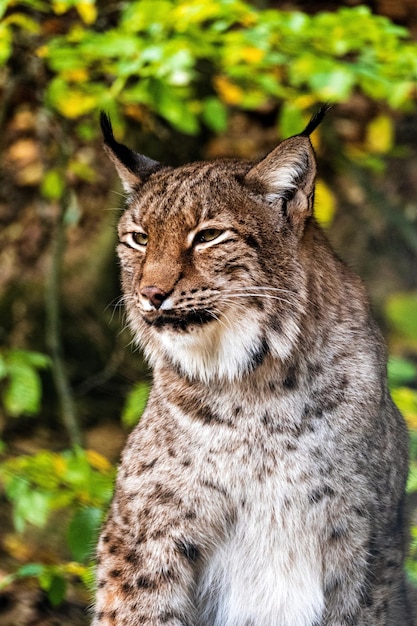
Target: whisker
[[239, 306], [119, 193], [253, 287], [217, 318], [122, 330], [117, 302], [253, 294], [258, 295], [250, 290]]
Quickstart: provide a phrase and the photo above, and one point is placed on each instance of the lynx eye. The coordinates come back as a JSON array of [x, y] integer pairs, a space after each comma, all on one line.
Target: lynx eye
[[209, 234], [138, 238]]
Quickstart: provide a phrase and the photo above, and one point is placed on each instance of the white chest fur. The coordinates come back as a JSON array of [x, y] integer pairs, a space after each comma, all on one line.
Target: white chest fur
[[268, 572]]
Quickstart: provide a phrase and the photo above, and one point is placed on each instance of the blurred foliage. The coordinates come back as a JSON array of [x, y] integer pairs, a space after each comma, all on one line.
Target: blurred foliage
[[184, 67], [78, 481], [190, 61], [401, 314]]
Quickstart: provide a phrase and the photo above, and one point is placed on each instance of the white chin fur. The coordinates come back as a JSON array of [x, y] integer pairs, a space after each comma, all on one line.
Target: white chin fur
[[221, 349]]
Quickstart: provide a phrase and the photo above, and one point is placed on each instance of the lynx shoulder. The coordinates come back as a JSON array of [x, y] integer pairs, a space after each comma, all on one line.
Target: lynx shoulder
[[264, 484]]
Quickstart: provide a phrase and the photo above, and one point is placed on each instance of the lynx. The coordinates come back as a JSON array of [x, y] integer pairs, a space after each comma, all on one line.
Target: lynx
[[264, 484]]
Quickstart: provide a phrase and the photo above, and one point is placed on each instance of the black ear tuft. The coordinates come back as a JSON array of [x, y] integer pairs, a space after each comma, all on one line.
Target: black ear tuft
[[128, 157], [315, 120], [133, 168], [106, 128]]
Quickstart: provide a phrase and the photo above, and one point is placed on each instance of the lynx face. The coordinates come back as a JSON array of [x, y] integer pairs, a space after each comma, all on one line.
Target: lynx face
[[208, 265]]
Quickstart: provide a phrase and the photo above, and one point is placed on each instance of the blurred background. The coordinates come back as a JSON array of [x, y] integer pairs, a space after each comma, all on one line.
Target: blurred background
[[182, 80]]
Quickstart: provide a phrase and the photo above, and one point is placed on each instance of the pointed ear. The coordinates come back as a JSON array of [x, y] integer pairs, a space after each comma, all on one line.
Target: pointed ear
[[133, 168], [286, 176]]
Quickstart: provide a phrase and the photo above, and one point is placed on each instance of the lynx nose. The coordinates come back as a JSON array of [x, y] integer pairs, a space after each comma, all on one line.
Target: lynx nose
[[155, 295]]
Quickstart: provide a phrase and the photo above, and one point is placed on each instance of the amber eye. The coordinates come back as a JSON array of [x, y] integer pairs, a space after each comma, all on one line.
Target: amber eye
[[209, 234], [140, 239]]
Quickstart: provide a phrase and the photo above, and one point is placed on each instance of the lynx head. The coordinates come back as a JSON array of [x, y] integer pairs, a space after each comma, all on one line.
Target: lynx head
[[209, 255]]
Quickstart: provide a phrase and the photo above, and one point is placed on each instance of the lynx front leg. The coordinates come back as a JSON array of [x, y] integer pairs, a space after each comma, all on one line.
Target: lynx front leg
[[144, 580], [365, 583]]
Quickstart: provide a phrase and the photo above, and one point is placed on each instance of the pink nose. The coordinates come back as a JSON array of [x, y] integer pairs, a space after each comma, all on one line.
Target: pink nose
[[155, 295]]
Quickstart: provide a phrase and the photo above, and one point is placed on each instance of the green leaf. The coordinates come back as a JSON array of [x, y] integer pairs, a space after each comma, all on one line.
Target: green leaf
[[215, 114], [291, 120], [401, 371], [31, 570], [6, 41], [3, 7], [178, 113], [57, 590], [3, 367], [22, 394], [334, 84], [83, 531], [53, 184], [29, 357], [412, 479], [135, 404], [406, 400], [401, 311], [33, 507]]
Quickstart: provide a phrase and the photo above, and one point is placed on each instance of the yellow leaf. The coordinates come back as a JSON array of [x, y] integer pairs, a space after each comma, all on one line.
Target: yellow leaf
[[325, 205], [17, 547], [98, 461], [79, 75], [73, 104], [252, 54], [87, 12], [60, 466], [84, 497], [379, 134], [60, 7], [228, 91], [75, 569], [304, 101], [42, 52]]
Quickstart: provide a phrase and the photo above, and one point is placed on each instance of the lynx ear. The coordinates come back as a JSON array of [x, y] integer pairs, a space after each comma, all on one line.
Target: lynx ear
[[286, 177], [133, 168], [287, 174]]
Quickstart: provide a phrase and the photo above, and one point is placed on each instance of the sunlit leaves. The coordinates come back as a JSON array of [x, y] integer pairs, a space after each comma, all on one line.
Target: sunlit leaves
[[53, 578], [85, 8], [42, 483], [178, 58], [79, 481]]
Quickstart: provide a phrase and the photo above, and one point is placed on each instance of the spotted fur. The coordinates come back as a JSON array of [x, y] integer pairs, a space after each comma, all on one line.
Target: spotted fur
[[264, 484]]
